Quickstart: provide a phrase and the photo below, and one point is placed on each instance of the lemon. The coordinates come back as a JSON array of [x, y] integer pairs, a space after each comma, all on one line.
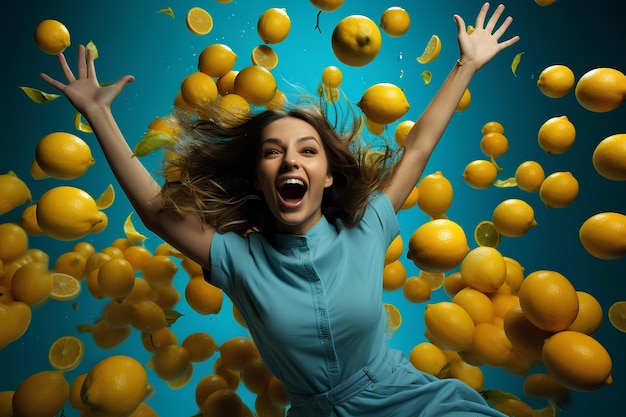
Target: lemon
[[480, 174], [514, 274], [577, 361], [394, 317], [226, 83], [356, 40], [465, 100], [434, 194], [559, 190], [223, 402], [52, 36], [476, 304], [63, 155], [235, 352], [438, 245], [556, 135], [13, 242], [13, 192], [64, 287], [42, 394], [256, 85], [617, 315], [411, 199], [431, 51], [116, 278], [395, 21], [494, 144], [237, 107], [513, 217], [198, 90], [428, 358], [529, 176], [373, 127], [486, 234], [66, 353], [589, 316], [148, 316], [394, 275], [208, 385], [402, 130], [332, 77], [7, 325], [463, 371], [6, 406], [107, 337], [274, 25], [279, 101], [32, 283], [171, 362], [526, 338], [450, 325], [601, 89], [394, 250], [603, 235], [384, 103], [453, 283], [106, 199], [609, 157], [483, 268], [115, 386], [416, 289], [216, 60], [199, 21], [22, 315], [200, 346], [545, 2], [327, 5], [492, 126], [556, 81], [36, 172], [540, 385], [264, 56], [67, 213], [491, 346], [203, 297]]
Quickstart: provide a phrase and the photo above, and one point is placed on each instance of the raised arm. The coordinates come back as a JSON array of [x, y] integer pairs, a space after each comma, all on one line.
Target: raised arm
[[186, 233], [476, 50]]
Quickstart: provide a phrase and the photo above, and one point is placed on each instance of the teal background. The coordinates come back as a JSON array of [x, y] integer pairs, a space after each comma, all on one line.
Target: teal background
[[132, 38]]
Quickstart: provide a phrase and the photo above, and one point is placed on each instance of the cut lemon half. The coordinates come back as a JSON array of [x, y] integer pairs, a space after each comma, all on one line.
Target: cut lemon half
[[394, 318], [106, 199], [431, 52], [66, 353], [199, 21], [434, 279], [64, 287], [485, 234], [264, 56], [617, 315]]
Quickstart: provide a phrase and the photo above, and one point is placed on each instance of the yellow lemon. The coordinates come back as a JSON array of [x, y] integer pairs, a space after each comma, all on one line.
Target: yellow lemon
[[373, 127], [431, 51], [63, 156], [158, 339], [450, 325], [394, 251], [486, 234], [199, 21], [601, 89], [148, 316], [107, 337], [556, 81], [577, 361], [411, 199], [256, 85], [77, 384], [356, 40], [332, 77], [416, 289], [327, 5], [438, 245], [159, 269], [453, 283], [525, 336], [529, 175], [36, 172], [116, 278], [494, 144], [609, 157], [556, 135], [72, 263], [549, 301], [428, 358], [203, 297], [42, 394], [484, 269], [64, 287], [402, 130], [476, 303], [171, 362], [66, 353], [264, 56], [559, 190], [226, 83], [480, 174], [491, 346], [200, 346], [216, 60], [52, 36], [144, 410], [115, 386], [237, 351], [32, 283], [223, 402], [545, 2], [207, 386], [67, 213], [237, 107], [13, 242], [395, 21], [465, 101], [617, 315], [513, 217], [603, 235], [589, 316], [514, 274], [198, 90], [22, 315], [463, 371], [274, 25], [384, 103], [540, 385], [13, 192], [434, 194], [492, 126], [278, 102], [394, 275], [28, 221]]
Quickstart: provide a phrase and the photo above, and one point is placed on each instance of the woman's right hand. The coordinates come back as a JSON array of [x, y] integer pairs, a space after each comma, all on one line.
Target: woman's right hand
[[85, 92]]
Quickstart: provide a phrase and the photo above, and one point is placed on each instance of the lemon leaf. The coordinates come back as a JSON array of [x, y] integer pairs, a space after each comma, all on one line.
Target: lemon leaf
[[171, 316], [84, 328], [131, 233], [515, 63], [508, 183], [39, 96], [106, 199], [94, 50], [427, 76], [81, 126], [495, 396], [151, 142], [167, 11]]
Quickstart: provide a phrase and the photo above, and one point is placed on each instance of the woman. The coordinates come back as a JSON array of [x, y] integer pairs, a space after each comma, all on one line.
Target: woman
[[308, 282]]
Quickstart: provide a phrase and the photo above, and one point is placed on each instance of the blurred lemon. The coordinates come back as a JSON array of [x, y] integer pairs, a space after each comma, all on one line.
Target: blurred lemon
[[463, 371], [411, 199], [237, 351], [144, 410], [159, 339], [65, 353], [513, 217], [465, 101], [394, 251], [416, 289], [256, 85], [549, 301], [141, 291], [529, 175], [394, 275], [116, 278], [589, 316], [431, 51], [480, 174], [483, 268], [438, 246], [492, 126], [32, 283], [75, 387], [453, 283], [137, 255], [22, 315], [159, 269], [525, 336], [450, 325], [278, 102], [237, 107], [63, 155], [199, 21], [559, 190], [84, 248], [114, 386], [577, 361], [64, 287], [617, 315], [428, 358], [226, 83], [491, 346], [171, 362], [148, 316], [373, 127], [67, 213], [603, 235], [356, 40], [274, 25], [609, 157], [601, 89], [223, 402], [13, 242], [402, 130], [167, 295], [434, 194], [107, 337], [200, 346], [545, 2], [264, 56], [208, 385], [13, 192], [514, 274], [476, 304], [198, 90], [384, 103], [119, 314], [556, 135], [7, 325], [556, 81], [42, 394], [36, 172], [216, 60], [494, 144], [540, 385], [52, 36], [327, 5], [395, 21], [486, 234], [277, 393], [332, 77], [203, 297]]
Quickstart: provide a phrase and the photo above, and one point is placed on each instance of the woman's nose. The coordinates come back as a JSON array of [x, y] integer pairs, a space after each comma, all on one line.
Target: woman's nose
[[289, 163]]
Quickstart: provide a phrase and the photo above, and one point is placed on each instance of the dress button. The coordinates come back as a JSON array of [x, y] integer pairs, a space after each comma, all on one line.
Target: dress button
[[322, 313], [326, 338]]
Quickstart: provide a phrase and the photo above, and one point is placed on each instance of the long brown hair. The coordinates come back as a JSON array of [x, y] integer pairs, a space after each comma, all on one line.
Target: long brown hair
[[216, 167]]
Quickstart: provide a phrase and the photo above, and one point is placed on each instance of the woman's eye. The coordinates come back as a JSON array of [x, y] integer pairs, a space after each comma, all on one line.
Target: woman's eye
[[310, 150], [270, 152]]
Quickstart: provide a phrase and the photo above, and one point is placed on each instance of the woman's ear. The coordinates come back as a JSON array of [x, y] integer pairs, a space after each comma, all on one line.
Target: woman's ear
[[329, 180]]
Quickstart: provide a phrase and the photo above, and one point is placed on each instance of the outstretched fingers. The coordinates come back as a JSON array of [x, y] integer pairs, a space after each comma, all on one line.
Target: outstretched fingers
[[493, 20], [480, 19]]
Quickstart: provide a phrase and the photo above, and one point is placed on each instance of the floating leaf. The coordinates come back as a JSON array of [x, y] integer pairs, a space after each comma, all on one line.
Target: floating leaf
[[495, 397], [151, 142], [75, 306], [39, 96], [81, 126], [515, 62], [131, 233], [171, 316], [427, 76], [167, 11], [509, 182], [106, 199], [94, 50], [84, 328]]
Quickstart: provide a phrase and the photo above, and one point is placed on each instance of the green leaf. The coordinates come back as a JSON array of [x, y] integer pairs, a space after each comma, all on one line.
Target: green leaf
[[39, 96], [495, 396], [167, 11], [171, 316], [515, 63], [94, 50], [151, 142], [427, 76]]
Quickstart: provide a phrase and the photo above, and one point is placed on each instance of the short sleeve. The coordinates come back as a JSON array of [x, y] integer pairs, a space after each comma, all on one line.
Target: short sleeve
[[380, 213], [226, 248]]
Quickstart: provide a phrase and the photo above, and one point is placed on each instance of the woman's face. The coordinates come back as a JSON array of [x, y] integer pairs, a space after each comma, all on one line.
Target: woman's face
[[292, 173]]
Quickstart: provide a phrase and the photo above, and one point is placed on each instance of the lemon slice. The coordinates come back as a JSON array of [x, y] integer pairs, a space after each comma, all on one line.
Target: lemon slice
[[435, 279], [66, 353], [431, 51], [617, 315], [485, 234], [64, 287], [131, 233], [394, 317], [106, 199], [264, 56], [80, 124], [199, 21]]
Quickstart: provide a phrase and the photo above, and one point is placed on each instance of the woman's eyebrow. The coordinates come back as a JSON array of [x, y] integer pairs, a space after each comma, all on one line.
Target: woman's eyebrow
[[278, 141]]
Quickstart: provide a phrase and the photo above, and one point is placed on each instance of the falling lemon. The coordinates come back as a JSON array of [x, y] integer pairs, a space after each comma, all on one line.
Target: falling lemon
[[66, 353], [63, 155], [327, 5], [603, 235], [438, 245], [432, 50], [617, 315], [384, 103], [513, 217], [529, 176], [13, 192], [395, 21], [559, 190], [356, 40], [216, 60], [199, 21], [556, 135], [480, 174], [64, 287], [256, 85], [609, 157], [486, 234], [601, 89], [264, 56], [556, 81], [51, 36], [106, 199], [274, 25]]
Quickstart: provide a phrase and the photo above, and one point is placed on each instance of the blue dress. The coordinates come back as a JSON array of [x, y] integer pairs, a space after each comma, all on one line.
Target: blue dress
[[313, 305]]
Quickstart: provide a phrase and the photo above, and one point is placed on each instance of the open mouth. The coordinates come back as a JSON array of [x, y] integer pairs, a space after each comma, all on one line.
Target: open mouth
[[292, 191]]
